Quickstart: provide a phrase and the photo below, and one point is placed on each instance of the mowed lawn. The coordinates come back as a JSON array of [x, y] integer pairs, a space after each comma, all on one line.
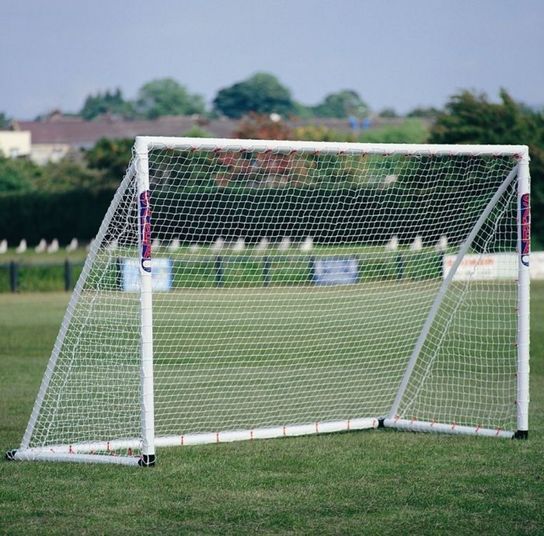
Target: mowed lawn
[[374, 482]]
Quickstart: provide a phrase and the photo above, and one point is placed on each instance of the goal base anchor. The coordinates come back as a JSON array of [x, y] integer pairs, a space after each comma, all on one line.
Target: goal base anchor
[[147, 460], [521, 434]]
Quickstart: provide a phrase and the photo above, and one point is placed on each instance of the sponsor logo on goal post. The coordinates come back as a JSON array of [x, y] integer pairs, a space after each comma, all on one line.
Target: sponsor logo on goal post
[[145, 229], [525, 248]]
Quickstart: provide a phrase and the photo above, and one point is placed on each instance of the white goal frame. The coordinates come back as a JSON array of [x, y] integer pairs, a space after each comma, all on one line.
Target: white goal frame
[[148, 442]]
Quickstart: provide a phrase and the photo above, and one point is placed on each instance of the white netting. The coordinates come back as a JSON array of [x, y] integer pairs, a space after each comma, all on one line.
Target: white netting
[[300, 282]]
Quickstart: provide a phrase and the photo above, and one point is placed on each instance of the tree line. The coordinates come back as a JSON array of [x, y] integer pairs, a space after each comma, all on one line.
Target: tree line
[[261, 93]]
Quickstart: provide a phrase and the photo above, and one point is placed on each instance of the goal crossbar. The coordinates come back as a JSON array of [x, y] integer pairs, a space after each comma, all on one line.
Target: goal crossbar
[[144, 143]]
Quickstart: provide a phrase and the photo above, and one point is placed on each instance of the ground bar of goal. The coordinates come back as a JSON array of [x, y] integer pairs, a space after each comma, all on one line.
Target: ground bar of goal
[[85, 452], [44, 456], [424, 426], [77, 449]]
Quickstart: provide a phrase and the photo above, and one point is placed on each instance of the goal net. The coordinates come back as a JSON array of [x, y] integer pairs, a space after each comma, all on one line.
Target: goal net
[[244, 289]]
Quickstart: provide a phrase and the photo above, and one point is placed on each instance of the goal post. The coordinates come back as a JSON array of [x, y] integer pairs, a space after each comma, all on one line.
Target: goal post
[[254, 289], [146, 302], [524, 251]]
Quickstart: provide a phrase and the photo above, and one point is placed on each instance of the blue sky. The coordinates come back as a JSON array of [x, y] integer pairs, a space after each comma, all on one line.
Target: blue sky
[[394, 53]]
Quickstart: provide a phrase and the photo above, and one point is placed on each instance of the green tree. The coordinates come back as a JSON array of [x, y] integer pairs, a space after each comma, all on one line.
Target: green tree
[[472, 118], [109, 102], [165, 96], [4, 120], [262, 93], [17, 175], [389, 113], [197, 131], [424, 112], [109, 157], [302, 111], [342, 104], [409, 131], [67, 174]]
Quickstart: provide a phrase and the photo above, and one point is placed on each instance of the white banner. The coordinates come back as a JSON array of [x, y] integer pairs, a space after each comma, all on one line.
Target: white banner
[[161, 274], [492, 267], [536, 265], [335, 271]]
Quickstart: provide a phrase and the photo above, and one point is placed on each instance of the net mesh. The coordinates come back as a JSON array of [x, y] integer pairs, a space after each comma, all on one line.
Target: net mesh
[[291, 287]]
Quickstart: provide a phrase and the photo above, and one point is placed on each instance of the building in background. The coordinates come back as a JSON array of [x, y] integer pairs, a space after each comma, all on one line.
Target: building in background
[[57, 135], [15, 143]]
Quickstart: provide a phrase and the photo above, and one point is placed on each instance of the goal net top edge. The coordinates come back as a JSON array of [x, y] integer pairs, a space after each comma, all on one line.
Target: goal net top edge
[[146, 143]]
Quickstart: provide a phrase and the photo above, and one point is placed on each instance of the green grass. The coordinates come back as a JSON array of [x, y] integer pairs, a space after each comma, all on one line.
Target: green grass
[[31, 257], [45, 272], [40, 272], [371, 482]]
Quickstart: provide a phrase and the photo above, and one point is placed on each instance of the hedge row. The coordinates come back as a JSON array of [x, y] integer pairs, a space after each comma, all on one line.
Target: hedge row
[[37, 215], [358, 216], [363, 215]]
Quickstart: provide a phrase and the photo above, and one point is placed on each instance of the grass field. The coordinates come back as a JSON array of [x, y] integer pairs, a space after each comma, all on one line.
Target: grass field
[[374, 482], [200, 267]]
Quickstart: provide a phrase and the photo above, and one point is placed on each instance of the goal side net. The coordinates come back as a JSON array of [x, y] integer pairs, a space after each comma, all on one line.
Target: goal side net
[[242, 289]]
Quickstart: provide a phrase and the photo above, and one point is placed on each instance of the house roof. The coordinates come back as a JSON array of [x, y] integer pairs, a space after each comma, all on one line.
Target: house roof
[[80, 133], [76, 132]]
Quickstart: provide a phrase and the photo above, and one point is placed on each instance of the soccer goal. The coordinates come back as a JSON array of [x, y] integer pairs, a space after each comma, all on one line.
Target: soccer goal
[[242, 289]]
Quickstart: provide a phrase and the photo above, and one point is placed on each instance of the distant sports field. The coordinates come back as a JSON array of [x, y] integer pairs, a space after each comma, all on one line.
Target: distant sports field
[[360, 482]]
